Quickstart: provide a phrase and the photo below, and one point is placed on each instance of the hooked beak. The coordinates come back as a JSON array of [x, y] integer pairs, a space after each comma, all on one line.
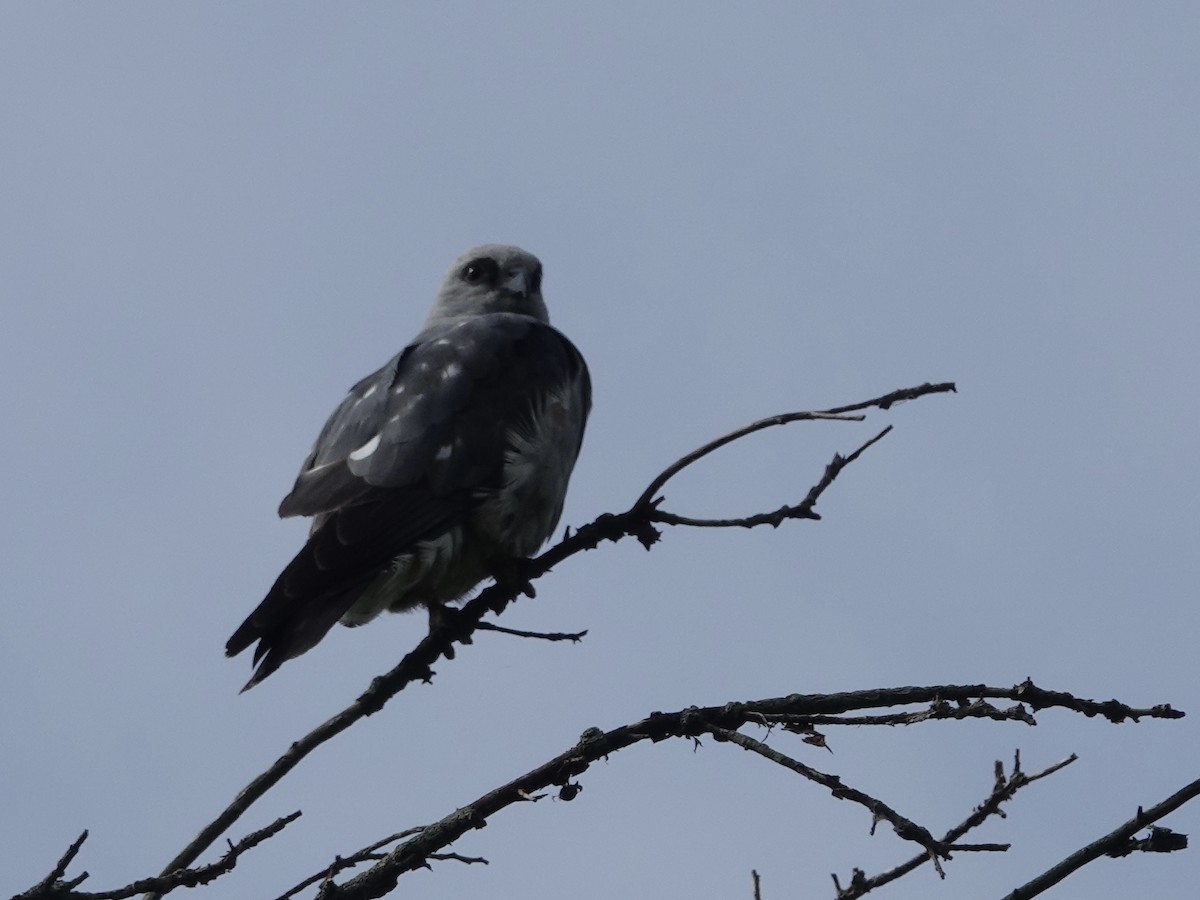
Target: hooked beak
[[517, 283]]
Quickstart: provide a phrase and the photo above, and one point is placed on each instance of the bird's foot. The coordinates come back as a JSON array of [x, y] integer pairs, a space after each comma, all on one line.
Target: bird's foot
[[442, 619], [515, 574]]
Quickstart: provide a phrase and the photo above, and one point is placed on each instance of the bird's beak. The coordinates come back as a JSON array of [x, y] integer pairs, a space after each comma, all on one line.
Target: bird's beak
[[518, 283]]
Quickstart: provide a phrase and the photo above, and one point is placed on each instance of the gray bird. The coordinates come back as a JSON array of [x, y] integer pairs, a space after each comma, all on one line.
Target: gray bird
[[436, 471]]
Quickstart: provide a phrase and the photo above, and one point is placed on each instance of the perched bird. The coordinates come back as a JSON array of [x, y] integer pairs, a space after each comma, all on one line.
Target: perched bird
[[439, 469]]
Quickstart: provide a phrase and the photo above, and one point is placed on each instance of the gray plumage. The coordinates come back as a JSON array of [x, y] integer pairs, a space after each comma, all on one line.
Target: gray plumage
[[436, 470]]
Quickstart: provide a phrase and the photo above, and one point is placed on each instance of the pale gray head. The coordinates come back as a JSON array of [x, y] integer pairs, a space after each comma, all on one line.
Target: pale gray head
[[489, 279]]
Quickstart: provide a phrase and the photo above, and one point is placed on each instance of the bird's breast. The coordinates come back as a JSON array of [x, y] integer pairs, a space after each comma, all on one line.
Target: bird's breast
[[541, 450]]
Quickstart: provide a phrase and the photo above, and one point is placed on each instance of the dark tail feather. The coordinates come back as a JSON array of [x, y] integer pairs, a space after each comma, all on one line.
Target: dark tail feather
[[271, 660], [286, 627], [246, 635], [315, 590]]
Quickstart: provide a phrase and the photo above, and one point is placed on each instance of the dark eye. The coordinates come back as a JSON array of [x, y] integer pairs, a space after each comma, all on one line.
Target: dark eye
[[480, 271]]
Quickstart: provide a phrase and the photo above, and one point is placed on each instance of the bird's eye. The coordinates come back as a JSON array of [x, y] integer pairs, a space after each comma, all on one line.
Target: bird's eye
[[479, 271]]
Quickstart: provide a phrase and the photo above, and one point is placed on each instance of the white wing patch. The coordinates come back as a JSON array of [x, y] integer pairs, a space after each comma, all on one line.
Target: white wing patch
[[365, 450]]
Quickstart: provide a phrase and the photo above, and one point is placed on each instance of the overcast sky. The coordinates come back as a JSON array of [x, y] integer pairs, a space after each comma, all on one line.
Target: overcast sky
[[215, 217]]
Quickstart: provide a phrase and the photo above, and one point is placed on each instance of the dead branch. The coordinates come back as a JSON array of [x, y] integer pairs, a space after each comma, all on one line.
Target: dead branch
[[879, 810], [53, 882], [1003, 790], [53, 888], [721, 722], [574, 636]]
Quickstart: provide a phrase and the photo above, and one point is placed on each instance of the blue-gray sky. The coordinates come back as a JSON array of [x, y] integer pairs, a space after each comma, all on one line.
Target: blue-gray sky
[[214, 218]]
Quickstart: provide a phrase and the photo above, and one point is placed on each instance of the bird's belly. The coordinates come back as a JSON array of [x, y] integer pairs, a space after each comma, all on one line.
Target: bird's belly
[[436, 571]]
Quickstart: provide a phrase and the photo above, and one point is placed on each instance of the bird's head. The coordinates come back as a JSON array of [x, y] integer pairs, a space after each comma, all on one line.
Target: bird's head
[[489, 279]]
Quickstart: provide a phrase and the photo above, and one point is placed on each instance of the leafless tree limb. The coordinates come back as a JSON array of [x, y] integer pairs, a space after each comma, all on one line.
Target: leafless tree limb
[[721, 722], [52, 888]]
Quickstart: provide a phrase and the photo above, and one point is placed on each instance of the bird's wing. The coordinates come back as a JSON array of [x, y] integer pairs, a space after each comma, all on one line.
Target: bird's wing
[[389, 429], [405, 457]]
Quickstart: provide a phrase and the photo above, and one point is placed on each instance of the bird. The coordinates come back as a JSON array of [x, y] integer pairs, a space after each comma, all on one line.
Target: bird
[[438, 470]]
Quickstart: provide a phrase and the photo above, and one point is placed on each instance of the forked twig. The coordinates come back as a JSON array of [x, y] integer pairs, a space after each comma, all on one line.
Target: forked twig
[[1003, 790], [51, 888]]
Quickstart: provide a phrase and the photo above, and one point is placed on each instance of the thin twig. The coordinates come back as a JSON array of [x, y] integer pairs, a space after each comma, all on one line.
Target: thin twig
[[458, 857], [838, 413], [887, 401], [341, 863], [979, 848], [802, 510], [574, 636], [904, 827], [939, 709]]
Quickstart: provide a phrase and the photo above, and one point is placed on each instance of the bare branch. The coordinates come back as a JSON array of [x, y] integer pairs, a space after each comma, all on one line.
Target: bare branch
[[53, 882], [341, 863], [939, 709], [802, 510], [1002, 791], [690, 723], [905, 828], [838, 413], [458, 857], [699, 453], [1116, 842], [574, 636], [162, 884], [887, 401]]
